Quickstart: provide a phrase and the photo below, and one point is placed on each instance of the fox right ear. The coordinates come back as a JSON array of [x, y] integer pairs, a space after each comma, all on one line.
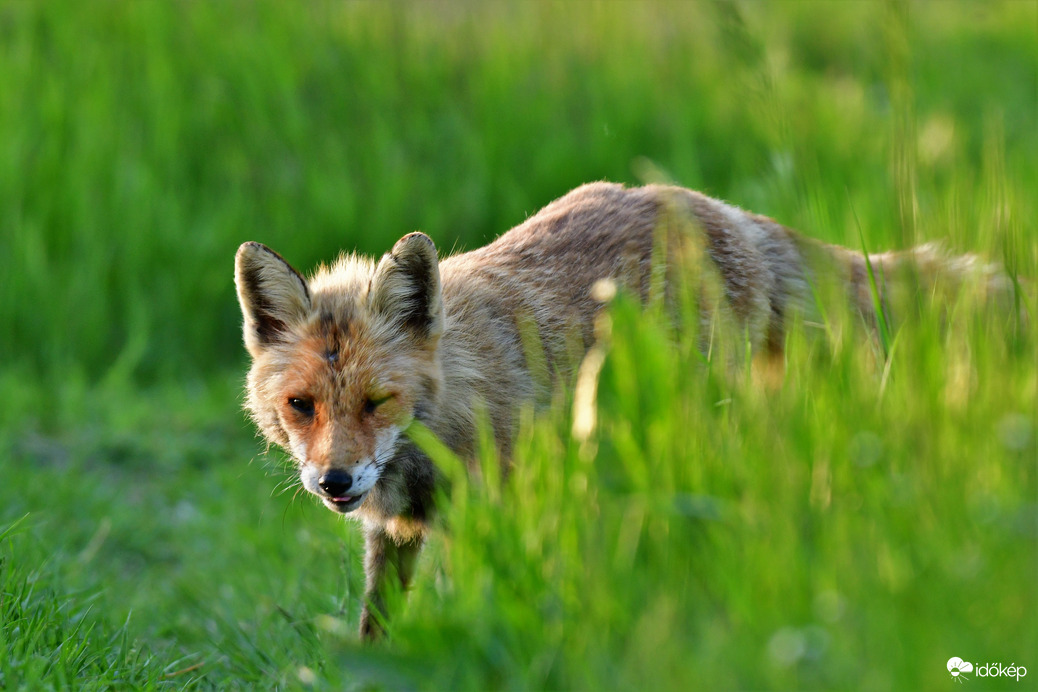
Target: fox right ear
[[406, 287], [272, 294]]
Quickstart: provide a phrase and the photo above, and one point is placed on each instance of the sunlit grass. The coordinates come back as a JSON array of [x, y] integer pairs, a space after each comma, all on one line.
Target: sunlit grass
[[715, 533]]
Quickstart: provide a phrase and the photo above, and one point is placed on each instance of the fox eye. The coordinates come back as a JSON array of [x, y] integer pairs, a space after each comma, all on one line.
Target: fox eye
[[303, 406], [372, 402]]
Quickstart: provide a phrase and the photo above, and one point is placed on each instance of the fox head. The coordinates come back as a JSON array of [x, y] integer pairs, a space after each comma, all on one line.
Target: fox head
[[343, 362]]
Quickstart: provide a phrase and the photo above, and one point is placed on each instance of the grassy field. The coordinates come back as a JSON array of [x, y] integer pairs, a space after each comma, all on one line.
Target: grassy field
[[856, 527]]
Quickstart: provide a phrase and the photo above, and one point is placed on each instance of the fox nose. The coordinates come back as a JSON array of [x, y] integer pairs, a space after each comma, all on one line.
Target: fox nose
[[336, 483]]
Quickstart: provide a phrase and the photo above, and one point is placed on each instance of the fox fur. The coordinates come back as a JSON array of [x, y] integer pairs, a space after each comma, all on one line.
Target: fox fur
[[343, 361]]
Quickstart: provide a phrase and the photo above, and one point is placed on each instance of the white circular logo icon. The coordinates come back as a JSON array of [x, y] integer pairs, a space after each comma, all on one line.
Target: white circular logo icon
[[956, 666]]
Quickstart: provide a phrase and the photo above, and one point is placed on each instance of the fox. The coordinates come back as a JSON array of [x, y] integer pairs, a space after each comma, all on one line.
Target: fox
[[344, 361]]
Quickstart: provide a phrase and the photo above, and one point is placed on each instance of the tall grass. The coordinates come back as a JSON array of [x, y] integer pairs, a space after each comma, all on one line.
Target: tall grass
[[856, 526], [716, 532]]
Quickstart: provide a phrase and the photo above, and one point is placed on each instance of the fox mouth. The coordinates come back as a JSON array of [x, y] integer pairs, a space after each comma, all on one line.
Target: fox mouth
[[343, 503]]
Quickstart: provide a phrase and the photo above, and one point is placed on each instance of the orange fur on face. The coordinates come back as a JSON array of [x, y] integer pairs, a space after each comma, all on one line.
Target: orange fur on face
[[358, 389]]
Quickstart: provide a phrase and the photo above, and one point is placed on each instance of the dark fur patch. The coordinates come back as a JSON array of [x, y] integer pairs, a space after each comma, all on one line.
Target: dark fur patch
[[268, 327], [416, 313], [335, 330], [420, 480], [411, 276]]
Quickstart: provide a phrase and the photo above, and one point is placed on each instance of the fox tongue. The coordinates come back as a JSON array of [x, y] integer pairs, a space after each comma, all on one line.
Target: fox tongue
[[343, 498]]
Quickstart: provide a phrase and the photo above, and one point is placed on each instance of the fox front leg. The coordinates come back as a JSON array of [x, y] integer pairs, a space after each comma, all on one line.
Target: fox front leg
[[384, 559]]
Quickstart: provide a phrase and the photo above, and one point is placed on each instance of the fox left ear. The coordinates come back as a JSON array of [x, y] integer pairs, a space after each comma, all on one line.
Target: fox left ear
[[273, 295], [406, 286]]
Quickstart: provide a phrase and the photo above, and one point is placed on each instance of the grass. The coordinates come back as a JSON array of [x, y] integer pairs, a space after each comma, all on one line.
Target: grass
[[797, 551], [856, 527]]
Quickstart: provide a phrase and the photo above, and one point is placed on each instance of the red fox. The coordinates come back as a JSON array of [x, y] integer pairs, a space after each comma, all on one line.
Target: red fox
[[344, 361]]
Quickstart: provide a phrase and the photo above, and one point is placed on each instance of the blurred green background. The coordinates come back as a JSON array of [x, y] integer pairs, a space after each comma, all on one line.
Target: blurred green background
[[142, 142]]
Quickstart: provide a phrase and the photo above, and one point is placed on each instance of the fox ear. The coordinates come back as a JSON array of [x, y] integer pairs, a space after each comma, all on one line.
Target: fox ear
[[406, 286], [272, 294]]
